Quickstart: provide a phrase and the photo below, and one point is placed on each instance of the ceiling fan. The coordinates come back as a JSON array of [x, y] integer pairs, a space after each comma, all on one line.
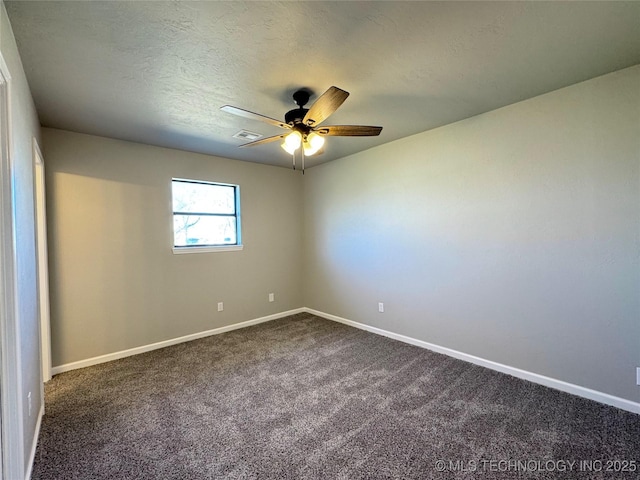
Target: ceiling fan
[[303, 125]]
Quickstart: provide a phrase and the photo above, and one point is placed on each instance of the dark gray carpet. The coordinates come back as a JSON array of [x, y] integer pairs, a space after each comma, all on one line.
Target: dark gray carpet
[[303, 397]]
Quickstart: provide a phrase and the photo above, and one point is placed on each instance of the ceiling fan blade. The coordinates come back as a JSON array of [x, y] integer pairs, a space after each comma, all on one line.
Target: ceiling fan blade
[[349, 130], [265, 140], [324, 106], [253, 116]]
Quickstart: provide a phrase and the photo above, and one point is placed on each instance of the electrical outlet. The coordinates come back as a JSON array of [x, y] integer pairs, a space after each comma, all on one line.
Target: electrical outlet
[[29, 402], [271, 297], [637, 375], [381, 307], [220, 306]]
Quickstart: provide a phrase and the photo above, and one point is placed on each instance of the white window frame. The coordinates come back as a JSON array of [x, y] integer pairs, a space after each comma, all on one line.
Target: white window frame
[[209, 248]]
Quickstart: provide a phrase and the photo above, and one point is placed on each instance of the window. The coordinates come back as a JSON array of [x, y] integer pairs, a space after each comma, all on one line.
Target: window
[[206, 216]]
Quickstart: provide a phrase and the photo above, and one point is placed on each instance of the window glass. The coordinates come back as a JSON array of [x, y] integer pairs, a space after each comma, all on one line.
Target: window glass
[[205, 214], [203, 197], [203, 230]]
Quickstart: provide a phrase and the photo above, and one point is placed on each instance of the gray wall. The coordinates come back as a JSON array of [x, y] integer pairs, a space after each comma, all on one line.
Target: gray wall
[[24, 128], [115, 283], [512, 236]]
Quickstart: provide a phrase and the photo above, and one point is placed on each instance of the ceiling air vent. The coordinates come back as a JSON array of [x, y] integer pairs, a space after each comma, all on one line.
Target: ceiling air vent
[[247, 135]]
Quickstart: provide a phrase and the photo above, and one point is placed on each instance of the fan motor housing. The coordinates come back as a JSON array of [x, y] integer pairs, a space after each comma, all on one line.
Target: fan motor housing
[[295, 116]]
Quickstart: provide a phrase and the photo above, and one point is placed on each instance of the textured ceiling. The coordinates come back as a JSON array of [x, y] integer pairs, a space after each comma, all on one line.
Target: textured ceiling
[[158, 72]]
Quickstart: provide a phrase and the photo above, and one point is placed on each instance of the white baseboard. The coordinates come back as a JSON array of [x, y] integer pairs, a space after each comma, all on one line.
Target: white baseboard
[[584, 392], [561, 385], [166, 343], [34, 442]]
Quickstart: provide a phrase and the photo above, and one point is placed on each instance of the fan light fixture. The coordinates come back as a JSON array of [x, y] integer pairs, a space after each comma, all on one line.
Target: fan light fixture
[[292, 142], [310, 145]]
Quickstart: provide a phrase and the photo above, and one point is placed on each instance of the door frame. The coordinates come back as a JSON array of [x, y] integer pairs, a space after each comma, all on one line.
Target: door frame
[[40, 205], [11, 406]]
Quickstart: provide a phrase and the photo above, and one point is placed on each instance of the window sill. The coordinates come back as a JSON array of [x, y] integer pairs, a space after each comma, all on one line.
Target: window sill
[[221, 248]]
